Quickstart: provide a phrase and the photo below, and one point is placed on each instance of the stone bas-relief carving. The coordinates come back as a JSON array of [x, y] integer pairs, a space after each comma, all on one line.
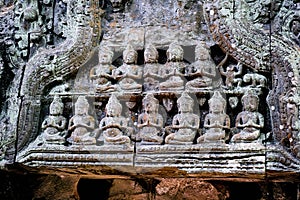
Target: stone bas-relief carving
[[203, 69], [101, 75], [113, 126], [82, 125], [150, 131], [217, 121], [185, 122], [54, 125], [129, 73], [230, 75], [173, 70], [249, 120], [152, 69], [178, 105], [150, 122]]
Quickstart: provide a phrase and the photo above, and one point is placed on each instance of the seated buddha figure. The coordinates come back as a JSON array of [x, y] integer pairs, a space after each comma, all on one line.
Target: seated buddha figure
[[185, 124], [216, 121], [151, 69], [250, 121], [129, 73], [150, 122], [202, 71], [82, 125], [113, 126], [101, 74], [54, 125], [173, 71]]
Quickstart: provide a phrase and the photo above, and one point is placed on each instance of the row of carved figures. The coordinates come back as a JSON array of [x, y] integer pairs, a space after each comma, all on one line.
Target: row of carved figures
[[169, 76], [115, 129]]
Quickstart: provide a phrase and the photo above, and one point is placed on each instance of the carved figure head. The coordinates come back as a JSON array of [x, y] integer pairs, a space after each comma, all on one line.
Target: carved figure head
[[291, 108], [130, 55], [233, 101], [150, 103], [113, 107], [105, 56], [175, 52], [30, 14], [230, 68], [185, 103], [57, 106], [81, 106], [295, 27], [119, 5], [151, 54], [250, 101], [202, 52], [217, 103]]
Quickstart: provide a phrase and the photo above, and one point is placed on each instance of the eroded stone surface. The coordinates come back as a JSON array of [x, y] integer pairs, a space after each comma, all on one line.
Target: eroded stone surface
[[202, 86]]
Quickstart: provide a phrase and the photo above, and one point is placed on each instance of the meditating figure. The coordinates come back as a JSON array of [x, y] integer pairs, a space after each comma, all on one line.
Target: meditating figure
[[54, 125], [151, 69], [250, 121], [150, 122], [185, 124], [173, 71], [203, 70], [101, 74], [113, 126], [82, 125], [129, 73], [216, 121]]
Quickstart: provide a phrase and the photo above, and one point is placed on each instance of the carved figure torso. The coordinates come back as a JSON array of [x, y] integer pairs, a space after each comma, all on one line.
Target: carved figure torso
[[150, 126], [150, 122], [128, 74], [250, 121], [151, 76], [216, 121], [113, 129], [174, 69], [114, 126], [231, 74], [204, 71], [172, 72], [151, 69], [81, 125], [54, 125], [100, 74], [185, 123]]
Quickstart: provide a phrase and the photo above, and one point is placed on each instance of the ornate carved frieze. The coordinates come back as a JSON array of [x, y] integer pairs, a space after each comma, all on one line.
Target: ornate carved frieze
[[203, 86]]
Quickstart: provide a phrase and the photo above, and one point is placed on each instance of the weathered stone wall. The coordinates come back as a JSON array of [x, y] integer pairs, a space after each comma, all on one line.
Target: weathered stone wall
[[145, 99], [33, 186]]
